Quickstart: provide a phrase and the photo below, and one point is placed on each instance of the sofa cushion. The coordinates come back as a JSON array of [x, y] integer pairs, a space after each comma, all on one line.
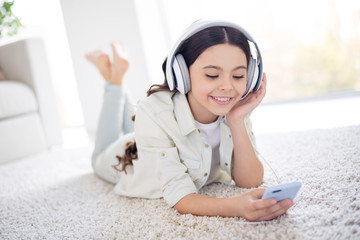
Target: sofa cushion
[[21, 136], [15, 99]]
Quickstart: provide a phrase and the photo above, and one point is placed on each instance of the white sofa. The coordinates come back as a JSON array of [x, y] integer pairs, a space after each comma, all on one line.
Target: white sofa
[[29, 118]]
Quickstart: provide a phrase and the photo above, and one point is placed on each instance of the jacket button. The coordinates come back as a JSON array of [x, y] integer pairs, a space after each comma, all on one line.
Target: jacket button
[[199, 130], [205, 174], [206, 145], [226, 164], [229, 135]]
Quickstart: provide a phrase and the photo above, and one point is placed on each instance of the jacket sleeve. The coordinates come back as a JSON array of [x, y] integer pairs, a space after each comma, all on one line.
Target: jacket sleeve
[[227, 149], [155, 144]]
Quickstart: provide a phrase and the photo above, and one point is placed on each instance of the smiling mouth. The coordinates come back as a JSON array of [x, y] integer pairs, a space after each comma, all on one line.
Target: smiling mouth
[[222, 100]]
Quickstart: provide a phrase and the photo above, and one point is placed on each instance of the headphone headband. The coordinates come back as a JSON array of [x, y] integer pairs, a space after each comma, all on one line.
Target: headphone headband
[[197, 27]]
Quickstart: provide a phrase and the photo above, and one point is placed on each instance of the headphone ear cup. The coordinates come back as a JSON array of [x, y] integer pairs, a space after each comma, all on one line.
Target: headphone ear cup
[[255, 76], [259, 77], [250, 76], [182, 76]]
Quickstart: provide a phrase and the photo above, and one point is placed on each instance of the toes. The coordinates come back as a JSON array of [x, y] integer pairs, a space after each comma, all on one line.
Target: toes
[[115, 70], [119, 50], [94, 55], [102, 62], [120, 61], [99, 58]]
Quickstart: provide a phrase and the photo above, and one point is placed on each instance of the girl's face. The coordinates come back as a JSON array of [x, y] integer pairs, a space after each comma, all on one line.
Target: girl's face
[[218, 81]]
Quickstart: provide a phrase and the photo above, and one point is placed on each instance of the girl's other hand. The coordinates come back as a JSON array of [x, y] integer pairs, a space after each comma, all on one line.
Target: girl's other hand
[[246, 106]]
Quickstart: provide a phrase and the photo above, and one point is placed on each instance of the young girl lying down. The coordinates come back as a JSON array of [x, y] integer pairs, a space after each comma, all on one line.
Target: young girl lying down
[[192, 130]]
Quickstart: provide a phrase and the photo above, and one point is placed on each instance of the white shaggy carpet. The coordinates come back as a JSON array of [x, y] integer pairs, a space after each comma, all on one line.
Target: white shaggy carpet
[[55, 195]]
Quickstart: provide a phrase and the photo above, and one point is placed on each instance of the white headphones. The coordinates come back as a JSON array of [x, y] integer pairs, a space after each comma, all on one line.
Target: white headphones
[[177, 73]]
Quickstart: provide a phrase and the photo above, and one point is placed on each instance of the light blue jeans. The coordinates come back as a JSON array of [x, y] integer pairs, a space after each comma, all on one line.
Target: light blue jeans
[[115, 128]]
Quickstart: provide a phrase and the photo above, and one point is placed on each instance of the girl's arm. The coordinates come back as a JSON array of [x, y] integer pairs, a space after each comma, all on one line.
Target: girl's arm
[[249, 205], [247, 169]]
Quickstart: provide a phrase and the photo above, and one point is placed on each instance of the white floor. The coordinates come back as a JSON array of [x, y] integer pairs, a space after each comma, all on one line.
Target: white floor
[[76, 137], [321, 113]]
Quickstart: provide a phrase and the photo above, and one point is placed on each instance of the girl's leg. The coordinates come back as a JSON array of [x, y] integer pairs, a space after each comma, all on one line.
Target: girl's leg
[[116, 107], [104, 162]]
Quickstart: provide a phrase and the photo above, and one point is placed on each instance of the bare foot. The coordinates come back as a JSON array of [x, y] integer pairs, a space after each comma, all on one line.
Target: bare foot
[[102, 62], [120, 63]]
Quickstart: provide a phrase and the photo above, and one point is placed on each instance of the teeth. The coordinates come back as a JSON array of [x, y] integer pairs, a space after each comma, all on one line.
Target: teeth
[[222, 99]]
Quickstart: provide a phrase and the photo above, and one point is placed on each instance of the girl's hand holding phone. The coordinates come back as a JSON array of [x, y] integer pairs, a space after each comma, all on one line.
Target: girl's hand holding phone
[[253, 208]]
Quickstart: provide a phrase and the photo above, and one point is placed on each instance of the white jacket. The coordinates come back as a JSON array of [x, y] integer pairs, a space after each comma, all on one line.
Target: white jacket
[[174, 159]]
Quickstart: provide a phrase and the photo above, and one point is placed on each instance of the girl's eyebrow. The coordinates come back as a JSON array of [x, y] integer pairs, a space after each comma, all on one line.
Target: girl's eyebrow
[[219, 68]]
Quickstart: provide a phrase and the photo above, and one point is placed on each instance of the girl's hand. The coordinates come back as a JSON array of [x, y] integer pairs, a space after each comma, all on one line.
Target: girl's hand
[[253, 208], [247, 105]]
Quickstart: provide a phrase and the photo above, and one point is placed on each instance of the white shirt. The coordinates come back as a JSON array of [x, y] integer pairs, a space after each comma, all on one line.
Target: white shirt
[[211, 132]]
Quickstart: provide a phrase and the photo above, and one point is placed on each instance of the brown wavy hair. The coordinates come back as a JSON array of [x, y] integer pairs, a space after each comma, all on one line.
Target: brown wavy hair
[[191, 49]]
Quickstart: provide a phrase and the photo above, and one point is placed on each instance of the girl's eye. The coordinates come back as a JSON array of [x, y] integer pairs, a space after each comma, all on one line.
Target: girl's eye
[[212, 76], [238, 77]]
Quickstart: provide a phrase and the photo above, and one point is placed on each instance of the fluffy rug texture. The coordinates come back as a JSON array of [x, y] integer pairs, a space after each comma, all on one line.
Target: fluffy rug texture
[[55, 195]]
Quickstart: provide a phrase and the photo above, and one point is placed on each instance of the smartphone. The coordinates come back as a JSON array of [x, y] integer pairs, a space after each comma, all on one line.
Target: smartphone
[[282, 191]]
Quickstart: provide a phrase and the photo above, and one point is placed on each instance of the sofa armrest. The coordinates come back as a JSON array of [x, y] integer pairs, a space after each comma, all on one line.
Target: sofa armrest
[[26, 61]]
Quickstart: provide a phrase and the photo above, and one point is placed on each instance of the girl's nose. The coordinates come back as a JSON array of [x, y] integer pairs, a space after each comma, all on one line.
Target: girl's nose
[[226, 84]]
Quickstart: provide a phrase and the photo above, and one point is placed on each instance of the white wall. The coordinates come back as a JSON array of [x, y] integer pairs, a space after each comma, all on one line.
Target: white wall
[[154, 35], [93, 24]]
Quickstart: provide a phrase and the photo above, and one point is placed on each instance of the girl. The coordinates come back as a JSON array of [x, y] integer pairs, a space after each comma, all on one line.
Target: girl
[[186, 138]]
